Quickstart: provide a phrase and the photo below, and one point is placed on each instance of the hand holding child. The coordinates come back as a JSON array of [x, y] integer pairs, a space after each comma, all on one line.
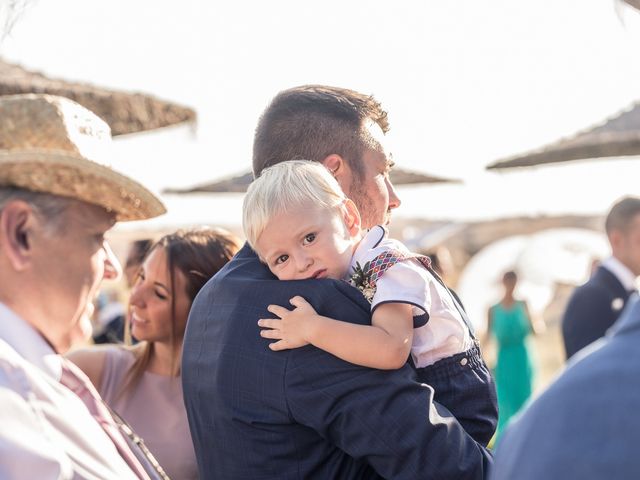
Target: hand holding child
[[293, 327]]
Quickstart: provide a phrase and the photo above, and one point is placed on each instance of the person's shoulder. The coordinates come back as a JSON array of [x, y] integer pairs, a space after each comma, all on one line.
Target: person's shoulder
[[94, 360], [596, 390], [603, 280], [92, 352], [593, 290], [13, 368]]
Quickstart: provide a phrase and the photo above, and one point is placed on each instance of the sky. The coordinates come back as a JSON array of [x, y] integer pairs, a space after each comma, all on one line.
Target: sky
[[466, 83]]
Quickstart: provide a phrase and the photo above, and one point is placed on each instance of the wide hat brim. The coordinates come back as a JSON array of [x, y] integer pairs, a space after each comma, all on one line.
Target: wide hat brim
[[68, 175]]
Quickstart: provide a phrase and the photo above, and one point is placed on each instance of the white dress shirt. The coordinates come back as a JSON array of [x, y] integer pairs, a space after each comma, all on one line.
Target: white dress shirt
[[445, 333], [46, 431]]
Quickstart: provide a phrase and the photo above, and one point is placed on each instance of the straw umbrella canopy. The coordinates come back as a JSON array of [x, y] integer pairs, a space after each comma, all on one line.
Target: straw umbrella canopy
[[617, 137], [124, 112], [634, 3], [240, 183]]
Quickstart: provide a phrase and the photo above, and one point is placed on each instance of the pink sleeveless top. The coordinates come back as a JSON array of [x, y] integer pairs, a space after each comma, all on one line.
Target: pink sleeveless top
[[155, 410]]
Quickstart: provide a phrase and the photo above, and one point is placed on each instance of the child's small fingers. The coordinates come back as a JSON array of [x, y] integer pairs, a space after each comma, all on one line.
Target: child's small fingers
[[268, 322], [298, 301], [277, 346], [277, 310], [273, 334]]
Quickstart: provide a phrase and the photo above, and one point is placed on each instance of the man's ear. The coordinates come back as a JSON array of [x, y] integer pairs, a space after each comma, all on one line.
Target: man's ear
[[335, 164], [16, 223], [351, 217]]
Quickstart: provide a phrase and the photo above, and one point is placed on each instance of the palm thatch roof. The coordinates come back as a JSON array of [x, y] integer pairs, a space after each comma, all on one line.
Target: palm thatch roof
[[124, 112], [240, 183], [617, 137]]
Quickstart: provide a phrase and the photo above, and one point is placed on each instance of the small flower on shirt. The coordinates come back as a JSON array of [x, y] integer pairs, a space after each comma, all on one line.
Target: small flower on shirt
[[361, 279]]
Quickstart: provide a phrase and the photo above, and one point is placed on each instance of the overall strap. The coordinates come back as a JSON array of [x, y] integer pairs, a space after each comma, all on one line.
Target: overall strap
[[375, 269]]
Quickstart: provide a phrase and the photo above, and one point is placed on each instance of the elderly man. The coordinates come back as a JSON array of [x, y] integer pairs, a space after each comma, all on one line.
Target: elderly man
[[302, 413], [57, 201]]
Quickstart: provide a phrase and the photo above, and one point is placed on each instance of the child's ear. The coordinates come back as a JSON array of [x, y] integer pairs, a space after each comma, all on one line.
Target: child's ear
[[351, 217]]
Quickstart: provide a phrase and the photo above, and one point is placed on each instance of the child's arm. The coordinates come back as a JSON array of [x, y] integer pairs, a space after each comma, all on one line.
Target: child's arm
[[385, 344]]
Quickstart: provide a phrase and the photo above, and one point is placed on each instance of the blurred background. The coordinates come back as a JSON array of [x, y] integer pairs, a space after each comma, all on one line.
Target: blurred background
[[467, 84]]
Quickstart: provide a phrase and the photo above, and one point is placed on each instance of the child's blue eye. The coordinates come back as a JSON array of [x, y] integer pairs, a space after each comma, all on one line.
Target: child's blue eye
[[282, 259], [310, 237]]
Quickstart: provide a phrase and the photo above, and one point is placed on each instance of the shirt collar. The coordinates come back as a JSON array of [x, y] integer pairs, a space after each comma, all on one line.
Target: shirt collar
[[371, 240], [622, 273], [28, 343]]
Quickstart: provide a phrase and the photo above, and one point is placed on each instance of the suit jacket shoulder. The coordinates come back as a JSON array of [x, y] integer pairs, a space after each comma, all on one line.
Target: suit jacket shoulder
[[304, 413], [591, 310]]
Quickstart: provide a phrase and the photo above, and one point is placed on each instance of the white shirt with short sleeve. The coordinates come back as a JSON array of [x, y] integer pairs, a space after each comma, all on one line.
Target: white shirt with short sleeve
[[439, 330], [46, 431]]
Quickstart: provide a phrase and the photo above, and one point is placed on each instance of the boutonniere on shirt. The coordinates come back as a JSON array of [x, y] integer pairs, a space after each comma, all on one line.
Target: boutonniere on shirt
[[361, 279]]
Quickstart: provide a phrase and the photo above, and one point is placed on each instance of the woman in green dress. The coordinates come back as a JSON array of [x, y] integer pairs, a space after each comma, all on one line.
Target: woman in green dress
[[510, 324]]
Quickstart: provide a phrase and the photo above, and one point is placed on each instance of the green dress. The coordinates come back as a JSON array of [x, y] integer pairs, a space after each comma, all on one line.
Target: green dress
[[513, 371]]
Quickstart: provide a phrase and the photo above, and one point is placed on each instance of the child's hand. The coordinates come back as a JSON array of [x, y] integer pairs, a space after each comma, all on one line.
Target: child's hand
[[293, 328]]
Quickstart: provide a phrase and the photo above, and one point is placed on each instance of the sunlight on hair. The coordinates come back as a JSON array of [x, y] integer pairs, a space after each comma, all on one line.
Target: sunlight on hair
[[285, 186]]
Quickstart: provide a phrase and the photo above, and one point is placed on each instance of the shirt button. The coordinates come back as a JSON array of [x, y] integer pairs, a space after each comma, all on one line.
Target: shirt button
[[463, 362]]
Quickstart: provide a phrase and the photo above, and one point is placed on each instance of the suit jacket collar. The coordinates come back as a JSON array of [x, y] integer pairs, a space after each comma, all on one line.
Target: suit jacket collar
[[606, 277], [625, 276], [247, 263]]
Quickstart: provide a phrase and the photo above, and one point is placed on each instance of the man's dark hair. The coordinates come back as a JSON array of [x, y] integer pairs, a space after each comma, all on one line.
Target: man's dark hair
[[622, 213], [311, 122]]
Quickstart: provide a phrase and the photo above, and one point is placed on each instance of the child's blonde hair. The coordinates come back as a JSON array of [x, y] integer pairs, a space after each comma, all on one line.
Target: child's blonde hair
[[283, 187]]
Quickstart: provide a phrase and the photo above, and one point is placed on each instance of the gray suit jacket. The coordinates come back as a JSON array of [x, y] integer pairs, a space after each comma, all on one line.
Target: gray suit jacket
[[585, 425]]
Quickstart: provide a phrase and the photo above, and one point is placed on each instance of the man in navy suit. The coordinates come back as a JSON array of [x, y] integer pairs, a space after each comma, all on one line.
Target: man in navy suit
[[586, 424], [597, 304], [303, 413]]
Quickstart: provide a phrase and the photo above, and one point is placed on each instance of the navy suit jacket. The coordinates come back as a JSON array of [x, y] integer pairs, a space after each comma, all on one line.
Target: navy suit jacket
[[592, 309], [303, 413], [585, 426]]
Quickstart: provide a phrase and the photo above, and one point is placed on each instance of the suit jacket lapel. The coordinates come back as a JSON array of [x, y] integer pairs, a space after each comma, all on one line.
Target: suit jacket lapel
[[611, 282]]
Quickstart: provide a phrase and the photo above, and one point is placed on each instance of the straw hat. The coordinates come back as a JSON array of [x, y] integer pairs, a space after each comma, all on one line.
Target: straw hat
[[53, 145]]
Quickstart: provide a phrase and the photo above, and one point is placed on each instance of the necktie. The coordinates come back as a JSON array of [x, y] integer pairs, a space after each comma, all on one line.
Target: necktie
[[74, 379]]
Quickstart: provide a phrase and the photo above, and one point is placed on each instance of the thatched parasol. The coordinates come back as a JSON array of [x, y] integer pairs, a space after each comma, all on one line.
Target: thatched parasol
[[124, 112], [240, 183], [617, 137]]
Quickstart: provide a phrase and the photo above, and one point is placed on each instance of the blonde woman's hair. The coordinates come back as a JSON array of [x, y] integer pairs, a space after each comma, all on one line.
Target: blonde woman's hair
[[286, 186]]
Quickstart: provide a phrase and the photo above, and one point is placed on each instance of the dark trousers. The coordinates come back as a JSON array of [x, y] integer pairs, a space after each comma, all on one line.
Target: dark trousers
[[464, 385]]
